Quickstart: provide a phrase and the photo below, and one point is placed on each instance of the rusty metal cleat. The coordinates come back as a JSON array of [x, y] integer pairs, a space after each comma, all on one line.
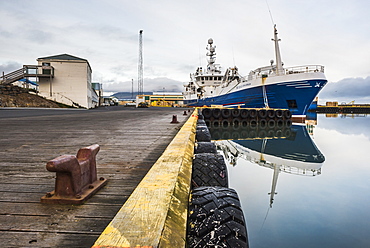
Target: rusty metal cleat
[[174, 119], [76, 177]]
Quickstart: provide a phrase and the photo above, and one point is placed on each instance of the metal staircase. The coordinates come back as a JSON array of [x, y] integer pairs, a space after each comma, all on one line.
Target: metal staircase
[[26, 72], [12, 77]]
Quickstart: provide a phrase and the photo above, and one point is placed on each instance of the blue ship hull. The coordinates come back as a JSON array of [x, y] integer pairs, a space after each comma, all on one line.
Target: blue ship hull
[[295, 96]]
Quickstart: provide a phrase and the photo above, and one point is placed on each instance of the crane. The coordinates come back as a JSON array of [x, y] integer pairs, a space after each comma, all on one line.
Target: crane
[[140, 65]]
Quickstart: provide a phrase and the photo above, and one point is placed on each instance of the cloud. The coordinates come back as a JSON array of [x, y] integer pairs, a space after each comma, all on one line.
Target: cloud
[[174, 42], [5, 34], [347, 90], [150, 84], [39, 36], [9, 67]]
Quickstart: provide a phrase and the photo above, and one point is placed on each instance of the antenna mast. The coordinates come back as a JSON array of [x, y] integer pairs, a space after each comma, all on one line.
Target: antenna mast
[[279, 63], [140, 69]]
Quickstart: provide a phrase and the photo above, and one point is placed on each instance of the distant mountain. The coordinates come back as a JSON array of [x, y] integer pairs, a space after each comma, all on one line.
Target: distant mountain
[[128, 95]]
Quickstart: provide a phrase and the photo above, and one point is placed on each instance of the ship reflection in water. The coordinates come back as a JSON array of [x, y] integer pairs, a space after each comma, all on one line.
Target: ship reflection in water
[[285, 149]]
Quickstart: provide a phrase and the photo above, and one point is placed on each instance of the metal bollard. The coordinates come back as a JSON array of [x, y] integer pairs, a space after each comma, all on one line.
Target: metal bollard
[[185, 112], [174, 119], [76, 177]]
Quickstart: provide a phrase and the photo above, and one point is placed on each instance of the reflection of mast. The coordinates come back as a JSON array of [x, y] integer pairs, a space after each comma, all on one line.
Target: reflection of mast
[[276, 173], [274, 183]]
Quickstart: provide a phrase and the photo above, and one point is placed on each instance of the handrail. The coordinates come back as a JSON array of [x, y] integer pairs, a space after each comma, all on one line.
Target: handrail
[[24, 72], [269, 71], [304, 69], [13, 74]]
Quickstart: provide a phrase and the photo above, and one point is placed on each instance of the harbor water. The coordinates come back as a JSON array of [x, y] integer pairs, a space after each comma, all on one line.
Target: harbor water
[[307, 186]]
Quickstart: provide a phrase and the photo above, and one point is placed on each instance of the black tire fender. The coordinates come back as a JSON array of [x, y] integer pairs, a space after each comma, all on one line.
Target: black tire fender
[[202, 134], [252, 113], [262, 114], [207, 113], [235, 113], [205, 147], [287, 114], [216, 113], [216, 217], [271, 114], [225, 113], [244, 113], [209, 169]]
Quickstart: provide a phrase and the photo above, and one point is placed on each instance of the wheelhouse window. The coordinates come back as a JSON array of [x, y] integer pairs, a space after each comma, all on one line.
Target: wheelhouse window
[[292, 104]]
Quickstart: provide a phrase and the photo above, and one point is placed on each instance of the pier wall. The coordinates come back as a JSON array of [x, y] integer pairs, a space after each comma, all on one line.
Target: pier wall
[[155, 215]]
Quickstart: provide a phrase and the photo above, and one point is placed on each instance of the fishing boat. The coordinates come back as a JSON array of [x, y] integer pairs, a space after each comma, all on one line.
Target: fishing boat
[[273, 86]]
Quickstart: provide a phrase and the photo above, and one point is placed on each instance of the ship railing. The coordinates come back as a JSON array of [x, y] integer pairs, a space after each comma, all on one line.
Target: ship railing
[[304, 69], [270, 71], [291, 169]]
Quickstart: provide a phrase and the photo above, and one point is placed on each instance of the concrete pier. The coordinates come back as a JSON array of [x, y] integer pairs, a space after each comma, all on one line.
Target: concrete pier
[[131, 140]]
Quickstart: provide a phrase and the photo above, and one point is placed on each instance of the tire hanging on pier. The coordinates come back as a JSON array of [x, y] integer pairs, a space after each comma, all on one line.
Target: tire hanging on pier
[[287, 114], [262, 123], [279, 113], [244, 113], [271, 114], [271, 124], [216, 124], [205, 147], [262, 114], [225, 123], [216, 219], [253, 113], [201, 122], [235, 113], [202, 134], [225, 113], [209, 169], [216, 113], [207, 113]]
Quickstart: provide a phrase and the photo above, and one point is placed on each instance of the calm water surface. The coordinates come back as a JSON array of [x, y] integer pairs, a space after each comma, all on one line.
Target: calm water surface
[[310, 188]]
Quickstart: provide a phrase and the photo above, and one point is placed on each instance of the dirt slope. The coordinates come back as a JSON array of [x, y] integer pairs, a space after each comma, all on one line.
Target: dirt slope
[[14, 96]]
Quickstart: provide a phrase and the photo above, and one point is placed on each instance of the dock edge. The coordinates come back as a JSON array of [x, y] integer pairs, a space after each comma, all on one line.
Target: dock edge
[[155, 215]]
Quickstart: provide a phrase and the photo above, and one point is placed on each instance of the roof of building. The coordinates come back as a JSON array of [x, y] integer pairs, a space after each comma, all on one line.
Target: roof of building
[[63, 57]]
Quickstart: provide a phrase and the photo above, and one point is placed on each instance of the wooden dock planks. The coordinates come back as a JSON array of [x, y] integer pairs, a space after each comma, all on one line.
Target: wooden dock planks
[[131, 141]]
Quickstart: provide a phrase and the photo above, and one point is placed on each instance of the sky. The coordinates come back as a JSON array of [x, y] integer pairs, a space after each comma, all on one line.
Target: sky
[[333, 33]]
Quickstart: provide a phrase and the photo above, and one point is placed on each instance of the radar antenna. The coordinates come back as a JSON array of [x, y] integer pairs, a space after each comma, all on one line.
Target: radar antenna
[[212, 52]]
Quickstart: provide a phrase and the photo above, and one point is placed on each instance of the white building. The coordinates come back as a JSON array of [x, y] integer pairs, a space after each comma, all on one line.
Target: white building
[[69, 81]]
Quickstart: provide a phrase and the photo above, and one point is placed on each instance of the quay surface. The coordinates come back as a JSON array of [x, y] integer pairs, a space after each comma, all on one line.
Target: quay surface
[[131, 140]]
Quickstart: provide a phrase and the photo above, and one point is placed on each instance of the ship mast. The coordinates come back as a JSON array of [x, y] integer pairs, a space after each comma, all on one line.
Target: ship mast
[[211, 55], [279, 63]]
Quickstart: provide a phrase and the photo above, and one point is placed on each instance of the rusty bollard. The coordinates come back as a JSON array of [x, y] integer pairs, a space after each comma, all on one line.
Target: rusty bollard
[[185, 112], [174, 119], [76, 177]]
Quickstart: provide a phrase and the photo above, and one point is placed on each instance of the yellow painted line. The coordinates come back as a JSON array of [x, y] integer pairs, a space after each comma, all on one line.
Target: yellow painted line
[[155, 214]]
